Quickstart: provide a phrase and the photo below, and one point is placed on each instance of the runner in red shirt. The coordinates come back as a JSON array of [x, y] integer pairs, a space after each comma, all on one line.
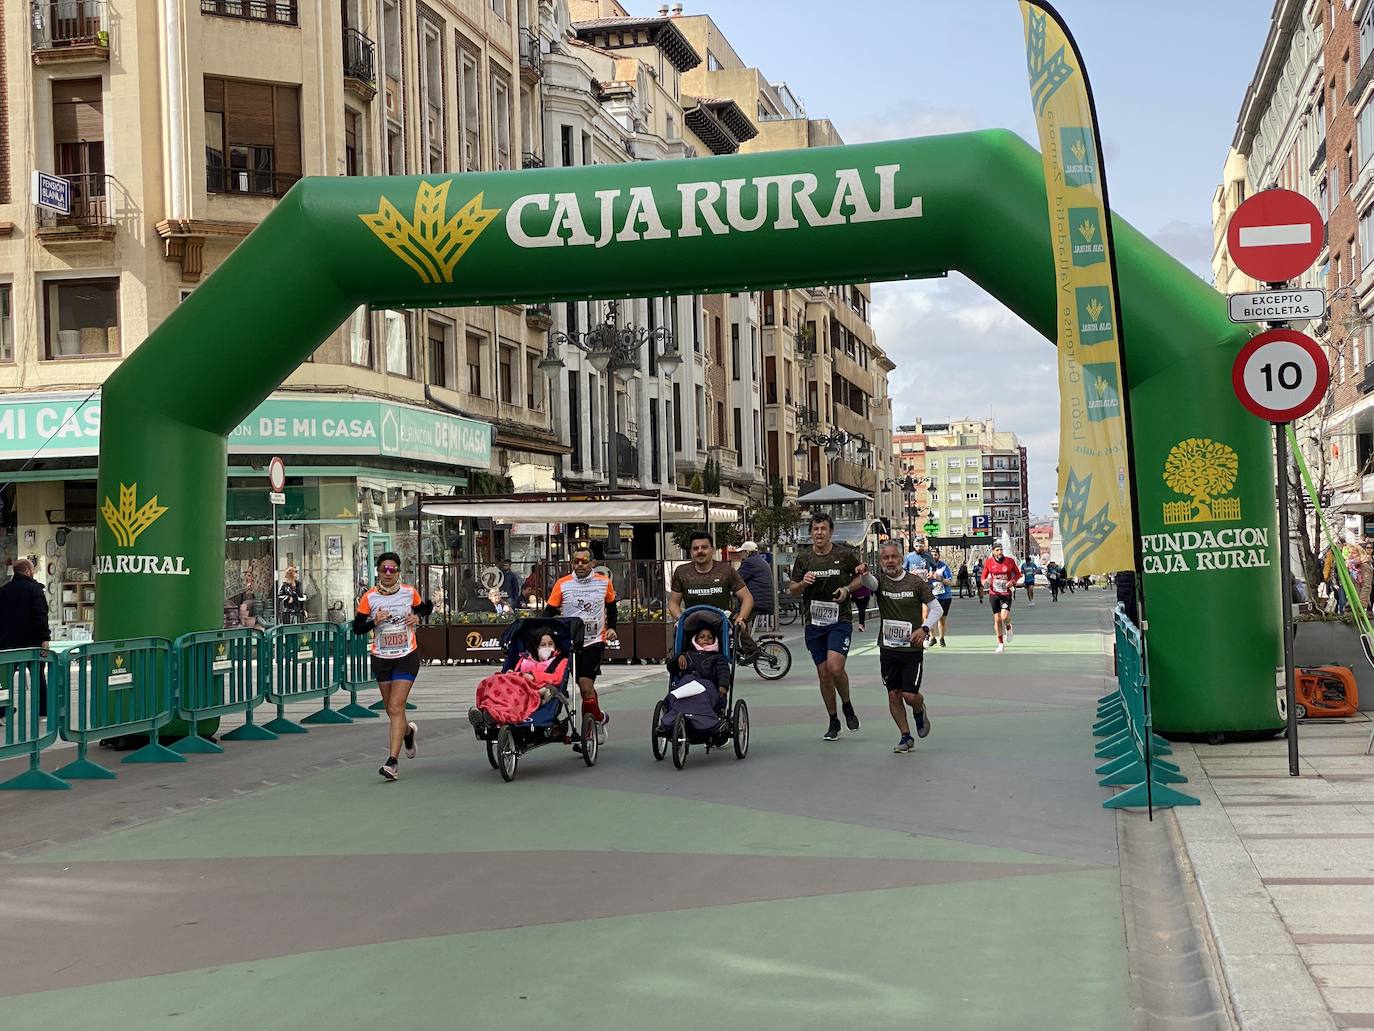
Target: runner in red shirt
[[1000, 573]]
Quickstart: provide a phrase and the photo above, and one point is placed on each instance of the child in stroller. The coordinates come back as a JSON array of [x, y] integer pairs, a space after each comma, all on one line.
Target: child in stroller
[[699, 681], [503, 698]]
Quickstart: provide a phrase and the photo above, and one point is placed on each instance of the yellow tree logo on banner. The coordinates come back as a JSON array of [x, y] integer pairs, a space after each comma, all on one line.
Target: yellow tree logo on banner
[[1201, 469], [430, 245], [128, 521]]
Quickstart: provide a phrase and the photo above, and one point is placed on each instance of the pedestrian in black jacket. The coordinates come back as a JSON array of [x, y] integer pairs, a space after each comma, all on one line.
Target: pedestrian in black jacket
[[757, 575], [24, 618]]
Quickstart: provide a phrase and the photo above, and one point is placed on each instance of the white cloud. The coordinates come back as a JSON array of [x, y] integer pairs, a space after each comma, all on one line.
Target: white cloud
[[961, 355], [905, 123], [1189, 242]]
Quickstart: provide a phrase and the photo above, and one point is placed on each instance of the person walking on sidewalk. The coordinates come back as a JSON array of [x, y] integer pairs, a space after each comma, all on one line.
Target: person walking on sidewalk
[[1000, 574], [965, 588], [902, 596], [291, 597], [940, 579], [824, 577], [978, 578], [591, 598], [24, 622], [392, 610]]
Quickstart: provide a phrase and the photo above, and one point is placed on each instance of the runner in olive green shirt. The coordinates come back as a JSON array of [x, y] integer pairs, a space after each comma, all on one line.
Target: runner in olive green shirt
[[824, 578], [910, 612], [708, 582]]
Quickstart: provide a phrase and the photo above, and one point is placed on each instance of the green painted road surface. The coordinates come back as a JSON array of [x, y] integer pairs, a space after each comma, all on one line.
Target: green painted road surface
[[973, 884]]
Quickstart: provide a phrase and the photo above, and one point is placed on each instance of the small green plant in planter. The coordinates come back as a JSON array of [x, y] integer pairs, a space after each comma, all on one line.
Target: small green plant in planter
[[102, 38]]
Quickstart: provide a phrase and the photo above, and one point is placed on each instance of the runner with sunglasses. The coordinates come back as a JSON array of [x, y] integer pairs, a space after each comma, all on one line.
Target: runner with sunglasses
[[393, 610]]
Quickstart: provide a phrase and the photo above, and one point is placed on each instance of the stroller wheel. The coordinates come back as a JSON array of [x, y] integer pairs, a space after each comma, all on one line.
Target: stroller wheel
[[680, 745], [590, 745], [507, 756], [656, 739], [491, 755], [741, 730]]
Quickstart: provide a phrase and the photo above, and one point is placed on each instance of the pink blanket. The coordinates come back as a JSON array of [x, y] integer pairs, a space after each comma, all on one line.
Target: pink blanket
[[507, 697]]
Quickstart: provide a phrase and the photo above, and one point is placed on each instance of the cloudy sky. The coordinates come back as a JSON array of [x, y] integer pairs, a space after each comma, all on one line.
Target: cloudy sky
[[1168, 78]]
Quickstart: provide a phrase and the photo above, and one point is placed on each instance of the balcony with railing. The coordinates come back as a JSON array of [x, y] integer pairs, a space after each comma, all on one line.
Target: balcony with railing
[[70, 30], [359, 64], [90, 218], [277, 12], [529, 159], [249, 181], [538, 316], [531, 55]]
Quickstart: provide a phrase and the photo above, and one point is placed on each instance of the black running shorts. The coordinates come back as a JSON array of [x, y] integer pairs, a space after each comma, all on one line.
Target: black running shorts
[[588, 660], [901, 670], [407, 667], [999, 602]]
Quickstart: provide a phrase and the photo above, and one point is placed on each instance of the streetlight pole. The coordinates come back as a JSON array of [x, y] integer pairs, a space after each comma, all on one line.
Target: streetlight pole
[[613, 349]]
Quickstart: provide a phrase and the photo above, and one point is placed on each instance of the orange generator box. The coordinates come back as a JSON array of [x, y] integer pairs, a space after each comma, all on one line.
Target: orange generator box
[[1326, 692]]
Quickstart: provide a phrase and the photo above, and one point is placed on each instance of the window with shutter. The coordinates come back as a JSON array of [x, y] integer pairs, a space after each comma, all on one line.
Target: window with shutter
[[252, 137], [78, 121]]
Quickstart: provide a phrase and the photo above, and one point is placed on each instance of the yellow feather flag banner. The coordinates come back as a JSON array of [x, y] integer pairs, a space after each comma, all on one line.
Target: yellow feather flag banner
[[1096, 523]]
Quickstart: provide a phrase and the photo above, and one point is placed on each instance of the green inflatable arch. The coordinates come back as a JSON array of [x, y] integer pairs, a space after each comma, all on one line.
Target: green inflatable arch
[[972, 202]]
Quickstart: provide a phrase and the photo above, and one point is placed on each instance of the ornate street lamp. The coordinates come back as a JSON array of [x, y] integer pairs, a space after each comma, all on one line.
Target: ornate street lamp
[[614, 348], [908, 485]]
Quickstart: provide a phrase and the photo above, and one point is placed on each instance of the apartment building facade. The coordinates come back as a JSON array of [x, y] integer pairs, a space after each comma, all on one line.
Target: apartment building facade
[[1307, 124], [965, 470], [826, 413]]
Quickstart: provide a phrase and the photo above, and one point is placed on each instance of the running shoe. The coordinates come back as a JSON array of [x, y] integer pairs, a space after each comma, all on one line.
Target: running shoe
[[906, 744], [477, 717], [942, 642], [833, 731], [411, 728], [922, 724], [1001, 647], [851, 718], [601, 729], [1009, 632], [389, 770]]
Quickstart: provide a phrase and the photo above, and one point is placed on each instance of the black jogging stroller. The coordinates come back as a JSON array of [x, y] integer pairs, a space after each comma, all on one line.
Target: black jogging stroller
[[688, 714], [560, 719]]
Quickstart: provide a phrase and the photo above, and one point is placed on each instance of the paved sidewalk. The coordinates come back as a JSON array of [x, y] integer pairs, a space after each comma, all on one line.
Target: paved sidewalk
[[972, 885], [1286, 870]]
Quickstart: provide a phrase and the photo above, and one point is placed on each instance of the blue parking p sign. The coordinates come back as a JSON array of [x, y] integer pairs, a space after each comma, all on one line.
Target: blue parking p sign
[[52, 192]]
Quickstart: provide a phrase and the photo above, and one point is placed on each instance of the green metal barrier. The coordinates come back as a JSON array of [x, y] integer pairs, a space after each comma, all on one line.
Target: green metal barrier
[[121, 687], [357, 674], [27, 675], [304, 660], [1131, 746], [219, 672]]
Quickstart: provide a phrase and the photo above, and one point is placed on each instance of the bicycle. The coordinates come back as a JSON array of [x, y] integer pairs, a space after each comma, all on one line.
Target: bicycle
[[772, 660], [788, 611]]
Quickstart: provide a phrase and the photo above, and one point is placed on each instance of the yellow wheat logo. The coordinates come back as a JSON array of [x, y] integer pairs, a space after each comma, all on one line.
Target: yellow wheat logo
[[128, 521], [1093, 308], [429, 245], [1078, 150], [1102, 386], [1087, 230], [1201, 469]]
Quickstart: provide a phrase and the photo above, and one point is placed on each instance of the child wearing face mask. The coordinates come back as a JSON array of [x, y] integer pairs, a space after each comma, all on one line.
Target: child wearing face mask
[[545, 668], [702, 660]]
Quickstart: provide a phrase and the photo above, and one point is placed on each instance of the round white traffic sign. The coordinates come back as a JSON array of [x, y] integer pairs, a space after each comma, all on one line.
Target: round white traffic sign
[[276, 474], [1280, 375]]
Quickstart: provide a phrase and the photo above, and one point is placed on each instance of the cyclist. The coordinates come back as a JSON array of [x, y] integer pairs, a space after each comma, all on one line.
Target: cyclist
[[393, 610]]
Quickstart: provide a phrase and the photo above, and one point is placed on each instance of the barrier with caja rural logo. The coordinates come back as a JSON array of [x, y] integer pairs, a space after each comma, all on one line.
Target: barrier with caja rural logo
[[30, 682], [117, 688], [219, 673], [306, 660], [1131, 747]]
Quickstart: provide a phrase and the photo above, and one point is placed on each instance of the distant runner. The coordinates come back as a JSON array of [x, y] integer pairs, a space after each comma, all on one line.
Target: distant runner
[[824, 578], [901, 638], [393, 610], [1030, 571], [940, 579], [1000, 573], [591, 598]]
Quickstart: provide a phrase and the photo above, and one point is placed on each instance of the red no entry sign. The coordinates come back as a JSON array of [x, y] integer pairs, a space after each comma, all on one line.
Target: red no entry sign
[[1275, 236], [1280, 375]]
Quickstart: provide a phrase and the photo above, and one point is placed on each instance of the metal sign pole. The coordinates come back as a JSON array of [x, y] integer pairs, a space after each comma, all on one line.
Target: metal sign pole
[[1289, 688], [276, 594]]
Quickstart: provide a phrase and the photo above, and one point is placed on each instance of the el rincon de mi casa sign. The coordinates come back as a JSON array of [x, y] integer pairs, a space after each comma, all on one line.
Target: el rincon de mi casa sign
[[364, 427]]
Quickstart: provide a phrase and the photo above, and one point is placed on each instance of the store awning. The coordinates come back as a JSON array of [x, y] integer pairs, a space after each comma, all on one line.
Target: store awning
[[627, 507]]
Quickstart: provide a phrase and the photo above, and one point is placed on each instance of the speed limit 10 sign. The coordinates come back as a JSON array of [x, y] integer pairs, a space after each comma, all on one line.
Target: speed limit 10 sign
[[1280, 375]]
